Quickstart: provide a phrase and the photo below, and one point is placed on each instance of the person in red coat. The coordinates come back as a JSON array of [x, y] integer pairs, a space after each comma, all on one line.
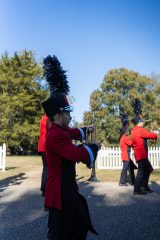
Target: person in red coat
[[42, 150], [125, 146], [68, 212], [139, 137], [69, 217]]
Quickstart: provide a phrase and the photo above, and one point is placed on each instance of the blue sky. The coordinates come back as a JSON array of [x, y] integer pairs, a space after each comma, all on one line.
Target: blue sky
[[89, 37]]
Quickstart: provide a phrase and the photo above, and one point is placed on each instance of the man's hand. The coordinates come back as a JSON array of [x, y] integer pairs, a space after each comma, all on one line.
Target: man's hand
[[156, 132]]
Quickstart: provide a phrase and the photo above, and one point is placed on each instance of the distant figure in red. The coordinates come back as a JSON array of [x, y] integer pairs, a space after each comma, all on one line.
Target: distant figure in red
[[139, 139], [125, 146], [42, 150], [128, 165]]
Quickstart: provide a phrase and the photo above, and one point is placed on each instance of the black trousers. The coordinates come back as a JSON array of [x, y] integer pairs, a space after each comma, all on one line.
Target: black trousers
[[123, 178], [127, 166], [44, 173], [68, 227], [144, 170], [131, 171]]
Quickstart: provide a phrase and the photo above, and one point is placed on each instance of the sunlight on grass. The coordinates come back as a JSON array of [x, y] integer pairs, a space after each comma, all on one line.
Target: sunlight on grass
[[22, 164], [108, 175]]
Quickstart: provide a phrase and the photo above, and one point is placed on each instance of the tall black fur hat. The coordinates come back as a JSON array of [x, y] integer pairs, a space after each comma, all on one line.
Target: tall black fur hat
[[58, 87], [137, 108], [125, 123]]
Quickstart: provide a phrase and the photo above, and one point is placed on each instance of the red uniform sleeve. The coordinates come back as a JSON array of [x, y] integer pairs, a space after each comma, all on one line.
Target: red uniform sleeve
[[42, 136], [149, 135], [63, 146], [128, 141], [75, 133], [43, 127]]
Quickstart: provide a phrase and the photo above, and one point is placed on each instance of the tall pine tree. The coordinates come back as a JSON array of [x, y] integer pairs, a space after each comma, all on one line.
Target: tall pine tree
[[21, 95]]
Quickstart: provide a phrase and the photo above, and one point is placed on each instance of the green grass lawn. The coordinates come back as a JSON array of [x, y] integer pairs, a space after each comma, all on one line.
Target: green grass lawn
[[108, 175], [22, 164]]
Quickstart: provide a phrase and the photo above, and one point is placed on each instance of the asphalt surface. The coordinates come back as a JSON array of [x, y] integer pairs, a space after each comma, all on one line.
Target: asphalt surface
[[116, 213]]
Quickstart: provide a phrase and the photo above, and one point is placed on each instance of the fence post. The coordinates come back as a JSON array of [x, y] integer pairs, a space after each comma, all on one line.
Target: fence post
[[4, 157]]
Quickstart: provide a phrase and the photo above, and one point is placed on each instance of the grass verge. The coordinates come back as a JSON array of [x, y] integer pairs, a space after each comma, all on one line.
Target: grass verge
[[22, 164], [108, 175]]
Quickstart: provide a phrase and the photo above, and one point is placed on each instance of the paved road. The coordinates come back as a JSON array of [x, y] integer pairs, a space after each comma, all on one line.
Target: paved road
[[116, 213]]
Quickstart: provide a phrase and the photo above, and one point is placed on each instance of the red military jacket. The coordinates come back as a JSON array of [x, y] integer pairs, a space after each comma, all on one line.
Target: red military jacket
[[59, 146], [125, 146], [139, 137], [42, 136]]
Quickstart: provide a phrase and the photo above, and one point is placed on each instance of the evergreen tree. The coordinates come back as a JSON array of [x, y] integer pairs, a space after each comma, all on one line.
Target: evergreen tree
[[21, 95]]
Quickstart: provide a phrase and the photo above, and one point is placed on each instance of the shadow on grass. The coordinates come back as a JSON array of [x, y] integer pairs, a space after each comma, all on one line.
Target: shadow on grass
[[14, 180], [79, 178], [10, 168]]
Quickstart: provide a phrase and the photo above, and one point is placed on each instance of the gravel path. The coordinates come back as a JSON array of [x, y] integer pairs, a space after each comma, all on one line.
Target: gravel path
[[116, 213]]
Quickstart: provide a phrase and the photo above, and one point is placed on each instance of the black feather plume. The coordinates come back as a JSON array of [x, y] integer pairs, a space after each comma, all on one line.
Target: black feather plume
[[55, 76], [137, 106], [124, 119]]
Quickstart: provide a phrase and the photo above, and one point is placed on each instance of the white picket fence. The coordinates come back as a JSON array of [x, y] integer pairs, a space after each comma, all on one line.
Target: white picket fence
[[110, 158], [3, 157]]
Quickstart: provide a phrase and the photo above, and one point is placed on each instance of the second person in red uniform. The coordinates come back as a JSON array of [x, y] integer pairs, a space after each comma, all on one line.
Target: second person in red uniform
[[42, 150], [125, 146]]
